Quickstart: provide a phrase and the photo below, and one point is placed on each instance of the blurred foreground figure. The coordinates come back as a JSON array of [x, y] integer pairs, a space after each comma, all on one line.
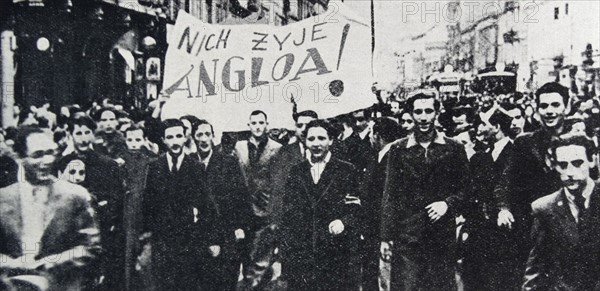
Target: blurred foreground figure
[[47, 230]]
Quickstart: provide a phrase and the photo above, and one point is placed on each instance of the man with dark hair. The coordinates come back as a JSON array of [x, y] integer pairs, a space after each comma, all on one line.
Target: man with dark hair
[[109, 141], [518, 124], [566, 223], [288, 156], [528, 176], [225, 185], [320, 234], [362, 118], [179, 217], [350, 147], [105, 183], [47, 226], [487, 253], [426, 182], [255, 157], [190, 122], [385, 132], [137, 158]]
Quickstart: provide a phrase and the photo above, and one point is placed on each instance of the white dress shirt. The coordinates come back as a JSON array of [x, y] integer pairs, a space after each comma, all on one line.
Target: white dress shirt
[[316, 169], [179, 161], [205, 160]]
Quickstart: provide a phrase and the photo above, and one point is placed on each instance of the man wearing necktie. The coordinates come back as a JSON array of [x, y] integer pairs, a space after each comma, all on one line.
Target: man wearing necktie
[[179, 217], [225, 186], [566, 227]]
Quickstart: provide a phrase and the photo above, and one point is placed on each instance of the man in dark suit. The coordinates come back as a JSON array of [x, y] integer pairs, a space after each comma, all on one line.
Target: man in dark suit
[[225, 186], [255, 157], [288, 156], [566, 227], [427, 176], [319, 231], [181, 220], [528, 175], [350, 147], [487, 255], [47, 226], [104, 181], [385, 132]]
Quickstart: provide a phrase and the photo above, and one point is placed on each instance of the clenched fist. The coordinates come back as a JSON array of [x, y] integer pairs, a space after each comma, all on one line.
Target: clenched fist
[[336, 227]]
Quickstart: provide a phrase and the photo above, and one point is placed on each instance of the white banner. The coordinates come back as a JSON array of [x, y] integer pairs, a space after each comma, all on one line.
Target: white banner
[[223, 72]]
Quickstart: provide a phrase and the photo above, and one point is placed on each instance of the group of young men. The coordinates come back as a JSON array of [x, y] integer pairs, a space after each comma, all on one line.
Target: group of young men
[[105, 211]]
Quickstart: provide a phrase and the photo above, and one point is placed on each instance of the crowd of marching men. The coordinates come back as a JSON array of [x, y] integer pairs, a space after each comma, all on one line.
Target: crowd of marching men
[[485, 193]]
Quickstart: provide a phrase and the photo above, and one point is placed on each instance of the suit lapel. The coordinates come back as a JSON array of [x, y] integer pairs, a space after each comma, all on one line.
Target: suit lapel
[[267, 153], [55, 202], [305, 179], [327, 178], [244, 156], [567, 221]]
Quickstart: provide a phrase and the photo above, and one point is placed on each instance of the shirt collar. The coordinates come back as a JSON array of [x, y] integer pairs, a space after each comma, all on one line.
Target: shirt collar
[[325, 161], [412, 140], [386, 148], [261, 143], [587, 192], [207, 159], [364, 133], [179, 160], [499, 146]]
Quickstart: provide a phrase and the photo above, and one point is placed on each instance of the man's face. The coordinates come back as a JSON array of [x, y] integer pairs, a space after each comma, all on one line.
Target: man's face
[[361, 121], [108, 122], [424, 115], [39, 161], [301, 126], [573, 166], [204, 138], [407, 122], [552, 110], [74, 172], [83, 137], [518, 122], [134, 139], [258, 125], [174, 139], [395, 107], [318, 142], [486, 133], [459, 117]]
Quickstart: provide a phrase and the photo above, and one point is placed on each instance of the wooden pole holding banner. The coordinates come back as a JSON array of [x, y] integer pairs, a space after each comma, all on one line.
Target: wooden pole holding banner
[[372, 35]]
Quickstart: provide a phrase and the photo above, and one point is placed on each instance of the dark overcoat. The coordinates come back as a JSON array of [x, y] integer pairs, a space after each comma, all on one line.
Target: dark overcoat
[[312, 258], [183, 222]]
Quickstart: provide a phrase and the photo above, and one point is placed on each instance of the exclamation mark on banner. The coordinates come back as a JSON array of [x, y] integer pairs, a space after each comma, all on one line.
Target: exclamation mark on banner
[[342, 44], [336, 87]]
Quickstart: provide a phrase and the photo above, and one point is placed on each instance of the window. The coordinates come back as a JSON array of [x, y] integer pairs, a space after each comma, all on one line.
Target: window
[[555, 12]]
